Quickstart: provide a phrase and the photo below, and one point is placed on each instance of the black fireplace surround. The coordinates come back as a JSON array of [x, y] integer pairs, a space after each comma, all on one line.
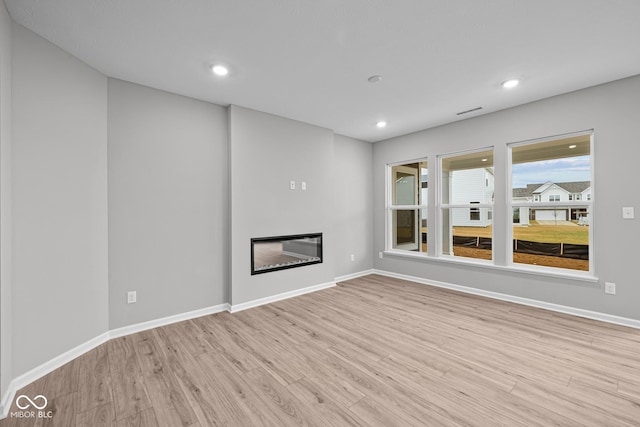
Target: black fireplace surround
[[283, 252]]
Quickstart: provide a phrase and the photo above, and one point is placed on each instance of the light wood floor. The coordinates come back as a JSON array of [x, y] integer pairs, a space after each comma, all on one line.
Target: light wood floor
[[372, 351]]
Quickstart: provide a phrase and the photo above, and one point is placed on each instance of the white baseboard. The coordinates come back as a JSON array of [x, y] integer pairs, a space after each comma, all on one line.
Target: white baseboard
[[47, 367], [261, 301], [595, 315], [353, 275], [139, 327], [55, 363]]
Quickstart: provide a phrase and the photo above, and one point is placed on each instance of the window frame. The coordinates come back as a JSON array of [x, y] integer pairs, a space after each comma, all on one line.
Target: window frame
[[390, 207], [502, 257], [441, 207], [588, 204]]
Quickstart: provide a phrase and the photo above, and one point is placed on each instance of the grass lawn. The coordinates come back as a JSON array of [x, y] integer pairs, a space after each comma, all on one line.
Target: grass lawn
[[534, 233]]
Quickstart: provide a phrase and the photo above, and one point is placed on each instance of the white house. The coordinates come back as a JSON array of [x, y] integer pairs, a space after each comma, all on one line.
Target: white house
[[474, 186], [551, 192]]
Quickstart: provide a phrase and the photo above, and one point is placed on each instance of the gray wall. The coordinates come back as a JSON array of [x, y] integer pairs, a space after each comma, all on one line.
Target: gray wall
[[5, 199], [167, 211], [353, 213], [267, 152], [59, 125], [612, 110], [118, 187]]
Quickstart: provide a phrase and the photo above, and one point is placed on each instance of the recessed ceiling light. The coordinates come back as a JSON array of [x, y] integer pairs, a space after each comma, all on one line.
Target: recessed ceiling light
[[509, 84], [374, 79], [573, 146], [219, 70], [484, 160], [381, 124]]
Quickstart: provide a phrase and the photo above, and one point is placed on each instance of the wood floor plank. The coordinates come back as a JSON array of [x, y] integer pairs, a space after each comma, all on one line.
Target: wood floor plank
[[330, 381], [224, 341], [127, 381], [63, 380], [196, 387], [326, 412], [375, 413], [95, 387], [238, 400], [63, 410], [412, 392], [269, 352], [146, 418], [480, 391], [129, 394], [282, 404], [629, 388], [371, 351], [564, 402], [189, 336], [167, 397], [100, 416]]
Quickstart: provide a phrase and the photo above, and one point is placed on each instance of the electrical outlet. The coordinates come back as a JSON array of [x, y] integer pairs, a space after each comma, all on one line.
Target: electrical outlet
[[380, 255], [303, 186], [131, 297], [353, 257], [609, 288]]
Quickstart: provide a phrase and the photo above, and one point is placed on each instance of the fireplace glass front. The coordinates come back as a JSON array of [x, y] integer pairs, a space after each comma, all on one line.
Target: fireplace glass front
[[282, 252]]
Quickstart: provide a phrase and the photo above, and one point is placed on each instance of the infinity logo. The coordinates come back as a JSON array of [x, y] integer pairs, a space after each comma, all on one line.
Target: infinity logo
[[31, 402]]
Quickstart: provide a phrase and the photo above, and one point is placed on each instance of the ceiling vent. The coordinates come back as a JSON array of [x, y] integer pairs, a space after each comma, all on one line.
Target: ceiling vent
[[468, 111]]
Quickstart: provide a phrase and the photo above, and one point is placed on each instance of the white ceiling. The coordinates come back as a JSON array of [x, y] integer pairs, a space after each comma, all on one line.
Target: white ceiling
[[309, 60]]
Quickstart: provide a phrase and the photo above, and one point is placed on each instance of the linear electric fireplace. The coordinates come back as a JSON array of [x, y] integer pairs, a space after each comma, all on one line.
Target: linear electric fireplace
[[278, 253]]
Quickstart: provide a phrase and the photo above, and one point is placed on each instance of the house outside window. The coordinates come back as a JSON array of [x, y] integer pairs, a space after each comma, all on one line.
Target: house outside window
[[561, 229], [549, 226], [466, 226]]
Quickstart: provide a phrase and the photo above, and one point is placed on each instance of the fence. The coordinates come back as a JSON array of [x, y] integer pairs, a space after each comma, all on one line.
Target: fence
[[565, 250]]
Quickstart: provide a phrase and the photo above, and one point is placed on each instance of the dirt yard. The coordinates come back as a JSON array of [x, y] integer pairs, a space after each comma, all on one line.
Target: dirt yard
[[535, 232], [549, 261]]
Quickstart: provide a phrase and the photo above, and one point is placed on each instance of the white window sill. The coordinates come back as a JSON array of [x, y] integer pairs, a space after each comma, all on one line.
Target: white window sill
[[581, 276]]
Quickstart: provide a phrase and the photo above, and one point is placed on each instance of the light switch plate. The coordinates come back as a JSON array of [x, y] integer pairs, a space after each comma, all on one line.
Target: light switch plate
[[627, 213], [609, 288], [292, 185]]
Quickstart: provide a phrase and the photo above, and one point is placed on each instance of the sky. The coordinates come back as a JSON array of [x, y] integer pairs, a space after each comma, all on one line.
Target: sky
[[569, 169]]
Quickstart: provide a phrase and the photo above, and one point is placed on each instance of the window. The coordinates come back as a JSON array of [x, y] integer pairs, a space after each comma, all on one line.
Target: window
[[545, 217], [555, 235], [407, 211], [474, 213], [467, 226]]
